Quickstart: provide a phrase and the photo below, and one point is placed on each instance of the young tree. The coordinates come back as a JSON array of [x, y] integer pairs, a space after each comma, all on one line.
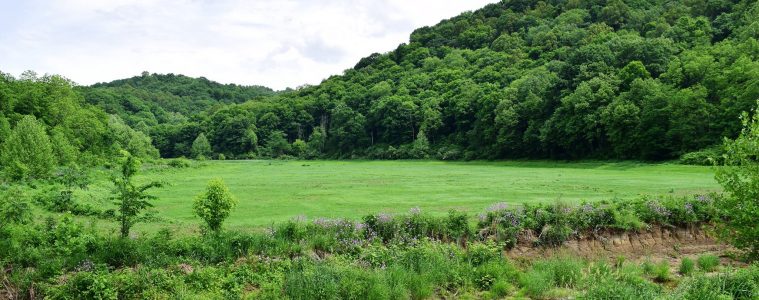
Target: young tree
[[201, 148], [277, 144], [740, 178], [299, 148], [27, 153], [62, 148], [316, 141], [421, 146], [131, 199], [214, 204]]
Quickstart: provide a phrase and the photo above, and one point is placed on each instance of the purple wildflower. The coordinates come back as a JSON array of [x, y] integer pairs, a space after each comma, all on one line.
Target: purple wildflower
[[689, 208], [498, 207], [658, 209], [703, 199], [483, 217], [384, 218], [415, 210]]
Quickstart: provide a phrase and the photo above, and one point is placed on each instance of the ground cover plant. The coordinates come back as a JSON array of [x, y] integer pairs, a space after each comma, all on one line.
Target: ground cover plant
[[411, 255]]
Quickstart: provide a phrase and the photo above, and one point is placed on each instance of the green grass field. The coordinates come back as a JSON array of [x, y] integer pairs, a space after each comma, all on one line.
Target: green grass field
[[275, 191]]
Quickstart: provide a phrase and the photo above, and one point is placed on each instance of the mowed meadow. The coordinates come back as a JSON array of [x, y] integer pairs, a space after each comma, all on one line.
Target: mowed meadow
[[275, 191]]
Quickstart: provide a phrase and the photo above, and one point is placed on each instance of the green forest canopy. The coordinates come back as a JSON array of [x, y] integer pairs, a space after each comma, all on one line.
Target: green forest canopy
[[517, 79]]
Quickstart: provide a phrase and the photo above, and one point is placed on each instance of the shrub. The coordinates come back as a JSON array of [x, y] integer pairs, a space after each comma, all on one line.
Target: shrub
[[705, 157], [648, 267], [740, 179], [87, 285], [178, 163], [14, 207], [661, 272], [215, 204], [687, 266], [708, 262], [457, 225]]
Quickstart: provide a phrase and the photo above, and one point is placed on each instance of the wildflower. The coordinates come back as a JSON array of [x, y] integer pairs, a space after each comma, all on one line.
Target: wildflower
[[415, 210], [483, 217], [384, 218], [704, 199], [498, 206], [658, 209], [689, 208]]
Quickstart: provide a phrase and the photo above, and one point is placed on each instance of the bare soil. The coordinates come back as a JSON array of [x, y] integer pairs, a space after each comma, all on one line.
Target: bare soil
[[655, 244]]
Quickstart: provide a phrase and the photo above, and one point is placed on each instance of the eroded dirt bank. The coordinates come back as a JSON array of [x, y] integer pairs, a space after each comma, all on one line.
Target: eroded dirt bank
[[656, 243]]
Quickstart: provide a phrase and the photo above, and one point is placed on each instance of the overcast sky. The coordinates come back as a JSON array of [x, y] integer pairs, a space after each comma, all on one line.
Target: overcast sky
[[274, 43]]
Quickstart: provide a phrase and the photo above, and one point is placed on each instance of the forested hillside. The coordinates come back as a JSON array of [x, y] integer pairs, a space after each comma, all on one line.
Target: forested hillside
[[554, 79], [45, 123], [166, 98], [615, 79]]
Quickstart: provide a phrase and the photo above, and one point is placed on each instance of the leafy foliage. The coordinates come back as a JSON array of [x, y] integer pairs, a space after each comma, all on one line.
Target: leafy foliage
[[648, 80], [28, 152], [201, 148], [131, 199], [215, 204], [740, 178]]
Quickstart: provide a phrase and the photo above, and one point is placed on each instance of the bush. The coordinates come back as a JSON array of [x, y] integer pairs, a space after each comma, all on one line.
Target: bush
[[705, 157], [179, 163], [687, 266], [661, 272], [215, 204], [708, 262]]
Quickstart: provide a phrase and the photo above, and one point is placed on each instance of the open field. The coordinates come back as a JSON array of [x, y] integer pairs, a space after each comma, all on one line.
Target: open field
[[274, 191]]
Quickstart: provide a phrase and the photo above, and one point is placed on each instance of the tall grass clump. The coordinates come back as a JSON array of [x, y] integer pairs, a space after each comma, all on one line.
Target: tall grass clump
[[708, 262], [741, 284], [687, 266]]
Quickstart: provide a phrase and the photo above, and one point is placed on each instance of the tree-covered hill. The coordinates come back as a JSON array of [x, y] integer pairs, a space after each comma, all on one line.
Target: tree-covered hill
[[45, 123], [618, 79], [166, 98], [550, 79]]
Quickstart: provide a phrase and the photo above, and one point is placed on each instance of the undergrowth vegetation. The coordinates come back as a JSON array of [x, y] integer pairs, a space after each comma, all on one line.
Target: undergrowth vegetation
[[406, 256]]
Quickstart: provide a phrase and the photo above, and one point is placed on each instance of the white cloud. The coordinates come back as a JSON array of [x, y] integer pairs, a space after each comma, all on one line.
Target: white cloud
[[274, 43]]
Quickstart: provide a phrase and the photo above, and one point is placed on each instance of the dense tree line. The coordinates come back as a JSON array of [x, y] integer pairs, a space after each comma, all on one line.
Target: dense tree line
[[151, 99], [45, 124], [551, 79], [617, 79]]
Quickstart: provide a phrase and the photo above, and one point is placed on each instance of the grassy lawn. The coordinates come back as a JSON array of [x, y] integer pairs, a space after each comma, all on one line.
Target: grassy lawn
[[275, 191]]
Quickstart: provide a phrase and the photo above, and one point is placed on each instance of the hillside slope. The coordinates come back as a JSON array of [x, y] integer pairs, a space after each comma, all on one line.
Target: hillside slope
[[166, 98], [555, 79]]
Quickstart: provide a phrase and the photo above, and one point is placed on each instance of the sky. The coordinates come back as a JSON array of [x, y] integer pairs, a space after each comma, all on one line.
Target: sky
[[275, 43]]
